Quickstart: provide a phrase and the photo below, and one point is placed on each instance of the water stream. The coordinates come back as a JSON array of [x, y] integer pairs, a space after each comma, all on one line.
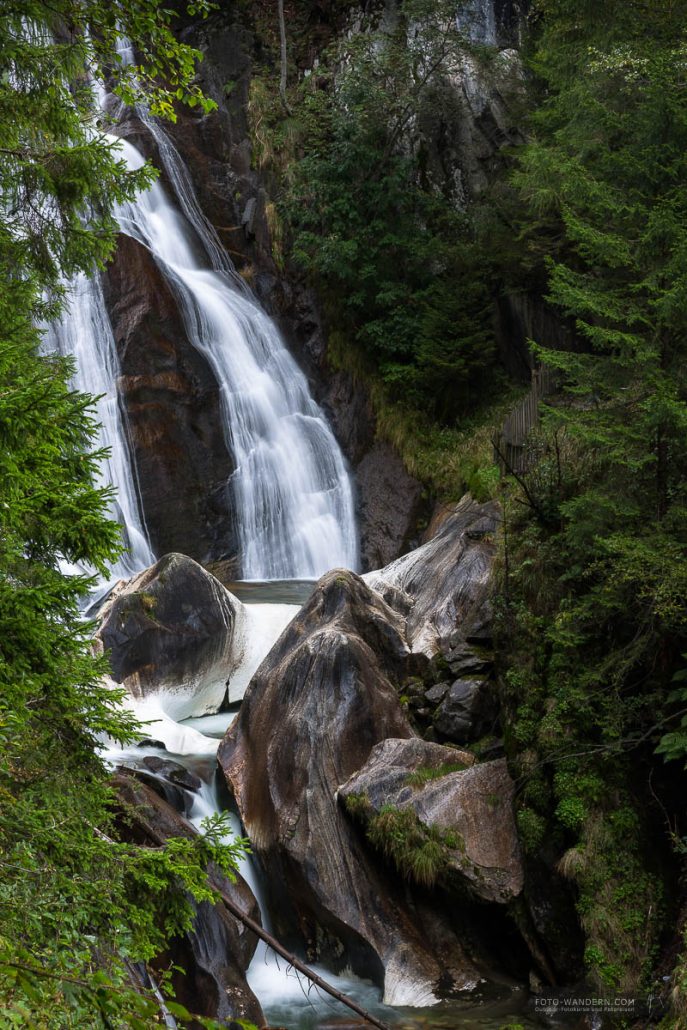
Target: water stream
[[287, 998], [84, 333]]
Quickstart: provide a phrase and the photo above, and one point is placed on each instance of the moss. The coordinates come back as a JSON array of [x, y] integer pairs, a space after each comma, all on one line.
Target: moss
[[420, 853], [148, 602], [426, 773], [449, 460], [357, 805]]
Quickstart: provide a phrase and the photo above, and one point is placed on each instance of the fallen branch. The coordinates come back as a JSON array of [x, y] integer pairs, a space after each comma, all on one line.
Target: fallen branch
[[274, 944]]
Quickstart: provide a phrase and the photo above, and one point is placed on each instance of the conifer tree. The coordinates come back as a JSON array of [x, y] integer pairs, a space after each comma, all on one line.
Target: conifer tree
[[77, 905], [599, 577]]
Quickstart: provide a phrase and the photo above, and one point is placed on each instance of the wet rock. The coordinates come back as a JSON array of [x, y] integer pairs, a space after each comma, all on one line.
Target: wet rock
[[217, 951], [175, 796], [445, 583], [173, 631], [172, 771], [472, 807], [323, 697], [168, 779], [171, 400]]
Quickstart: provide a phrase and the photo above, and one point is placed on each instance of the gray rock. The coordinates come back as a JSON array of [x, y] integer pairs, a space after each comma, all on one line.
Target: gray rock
[[389, 505], [446, 580], [323, 697], [466, 711], [170, 631], [475, 805], [436, 693], [465, 663]]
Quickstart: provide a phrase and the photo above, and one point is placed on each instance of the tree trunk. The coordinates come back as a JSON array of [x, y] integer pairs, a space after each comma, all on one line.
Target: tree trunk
[[282, 39]]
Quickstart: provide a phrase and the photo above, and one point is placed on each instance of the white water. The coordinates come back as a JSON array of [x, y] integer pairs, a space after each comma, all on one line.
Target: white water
[[84, 333], [292, 492]]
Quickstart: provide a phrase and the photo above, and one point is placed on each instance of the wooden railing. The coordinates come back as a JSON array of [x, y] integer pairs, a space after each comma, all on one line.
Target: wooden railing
[[510, 452]]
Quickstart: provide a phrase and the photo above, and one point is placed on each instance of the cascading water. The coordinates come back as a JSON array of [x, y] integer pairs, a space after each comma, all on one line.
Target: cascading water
[[292, 492], [85, 334]]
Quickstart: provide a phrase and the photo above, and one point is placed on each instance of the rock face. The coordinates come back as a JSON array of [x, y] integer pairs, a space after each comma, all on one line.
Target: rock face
[[474, 804], [171, 781], [217, 951], [171, 400], [171, 631], [446, 580], [390, 502], [466, 711], [323, 697]]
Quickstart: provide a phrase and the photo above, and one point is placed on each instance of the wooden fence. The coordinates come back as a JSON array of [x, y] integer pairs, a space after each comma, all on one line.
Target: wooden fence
[[510, 451]]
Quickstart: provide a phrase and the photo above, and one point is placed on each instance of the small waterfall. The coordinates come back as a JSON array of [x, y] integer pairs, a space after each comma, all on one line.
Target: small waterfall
[[85, 334], [292, 492]]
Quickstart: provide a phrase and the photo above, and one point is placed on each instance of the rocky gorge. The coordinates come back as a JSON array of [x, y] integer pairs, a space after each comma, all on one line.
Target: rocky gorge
[[366, 762], [333, 643], [378, 849]]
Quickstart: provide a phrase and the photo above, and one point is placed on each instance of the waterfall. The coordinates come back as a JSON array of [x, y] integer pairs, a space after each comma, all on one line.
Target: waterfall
[[291, 489], [293, 499], [85, 334]]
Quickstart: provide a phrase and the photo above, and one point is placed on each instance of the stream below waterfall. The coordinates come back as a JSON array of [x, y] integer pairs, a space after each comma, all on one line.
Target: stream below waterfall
[[287, 999]]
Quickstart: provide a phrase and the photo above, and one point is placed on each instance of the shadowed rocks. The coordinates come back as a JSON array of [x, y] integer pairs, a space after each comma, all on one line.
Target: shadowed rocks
[[173, 629], [214, 955], [469, 807]]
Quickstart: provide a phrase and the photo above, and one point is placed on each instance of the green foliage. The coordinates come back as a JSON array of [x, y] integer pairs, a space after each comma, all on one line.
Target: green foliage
[[394, 257], [595, 574], [420, 853], [357, 805], [78, 905], [673, 745], [61, 173]]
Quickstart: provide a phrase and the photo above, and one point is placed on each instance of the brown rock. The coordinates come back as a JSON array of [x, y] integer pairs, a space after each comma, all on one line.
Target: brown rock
[[323, 697], [171, 400], [475, 804]]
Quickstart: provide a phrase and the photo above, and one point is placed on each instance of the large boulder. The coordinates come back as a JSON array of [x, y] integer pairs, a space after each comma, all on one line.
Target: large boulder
[[446, 581], [173, 631], [465, 808], [209, 961], [320, 701], [171, 400]]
